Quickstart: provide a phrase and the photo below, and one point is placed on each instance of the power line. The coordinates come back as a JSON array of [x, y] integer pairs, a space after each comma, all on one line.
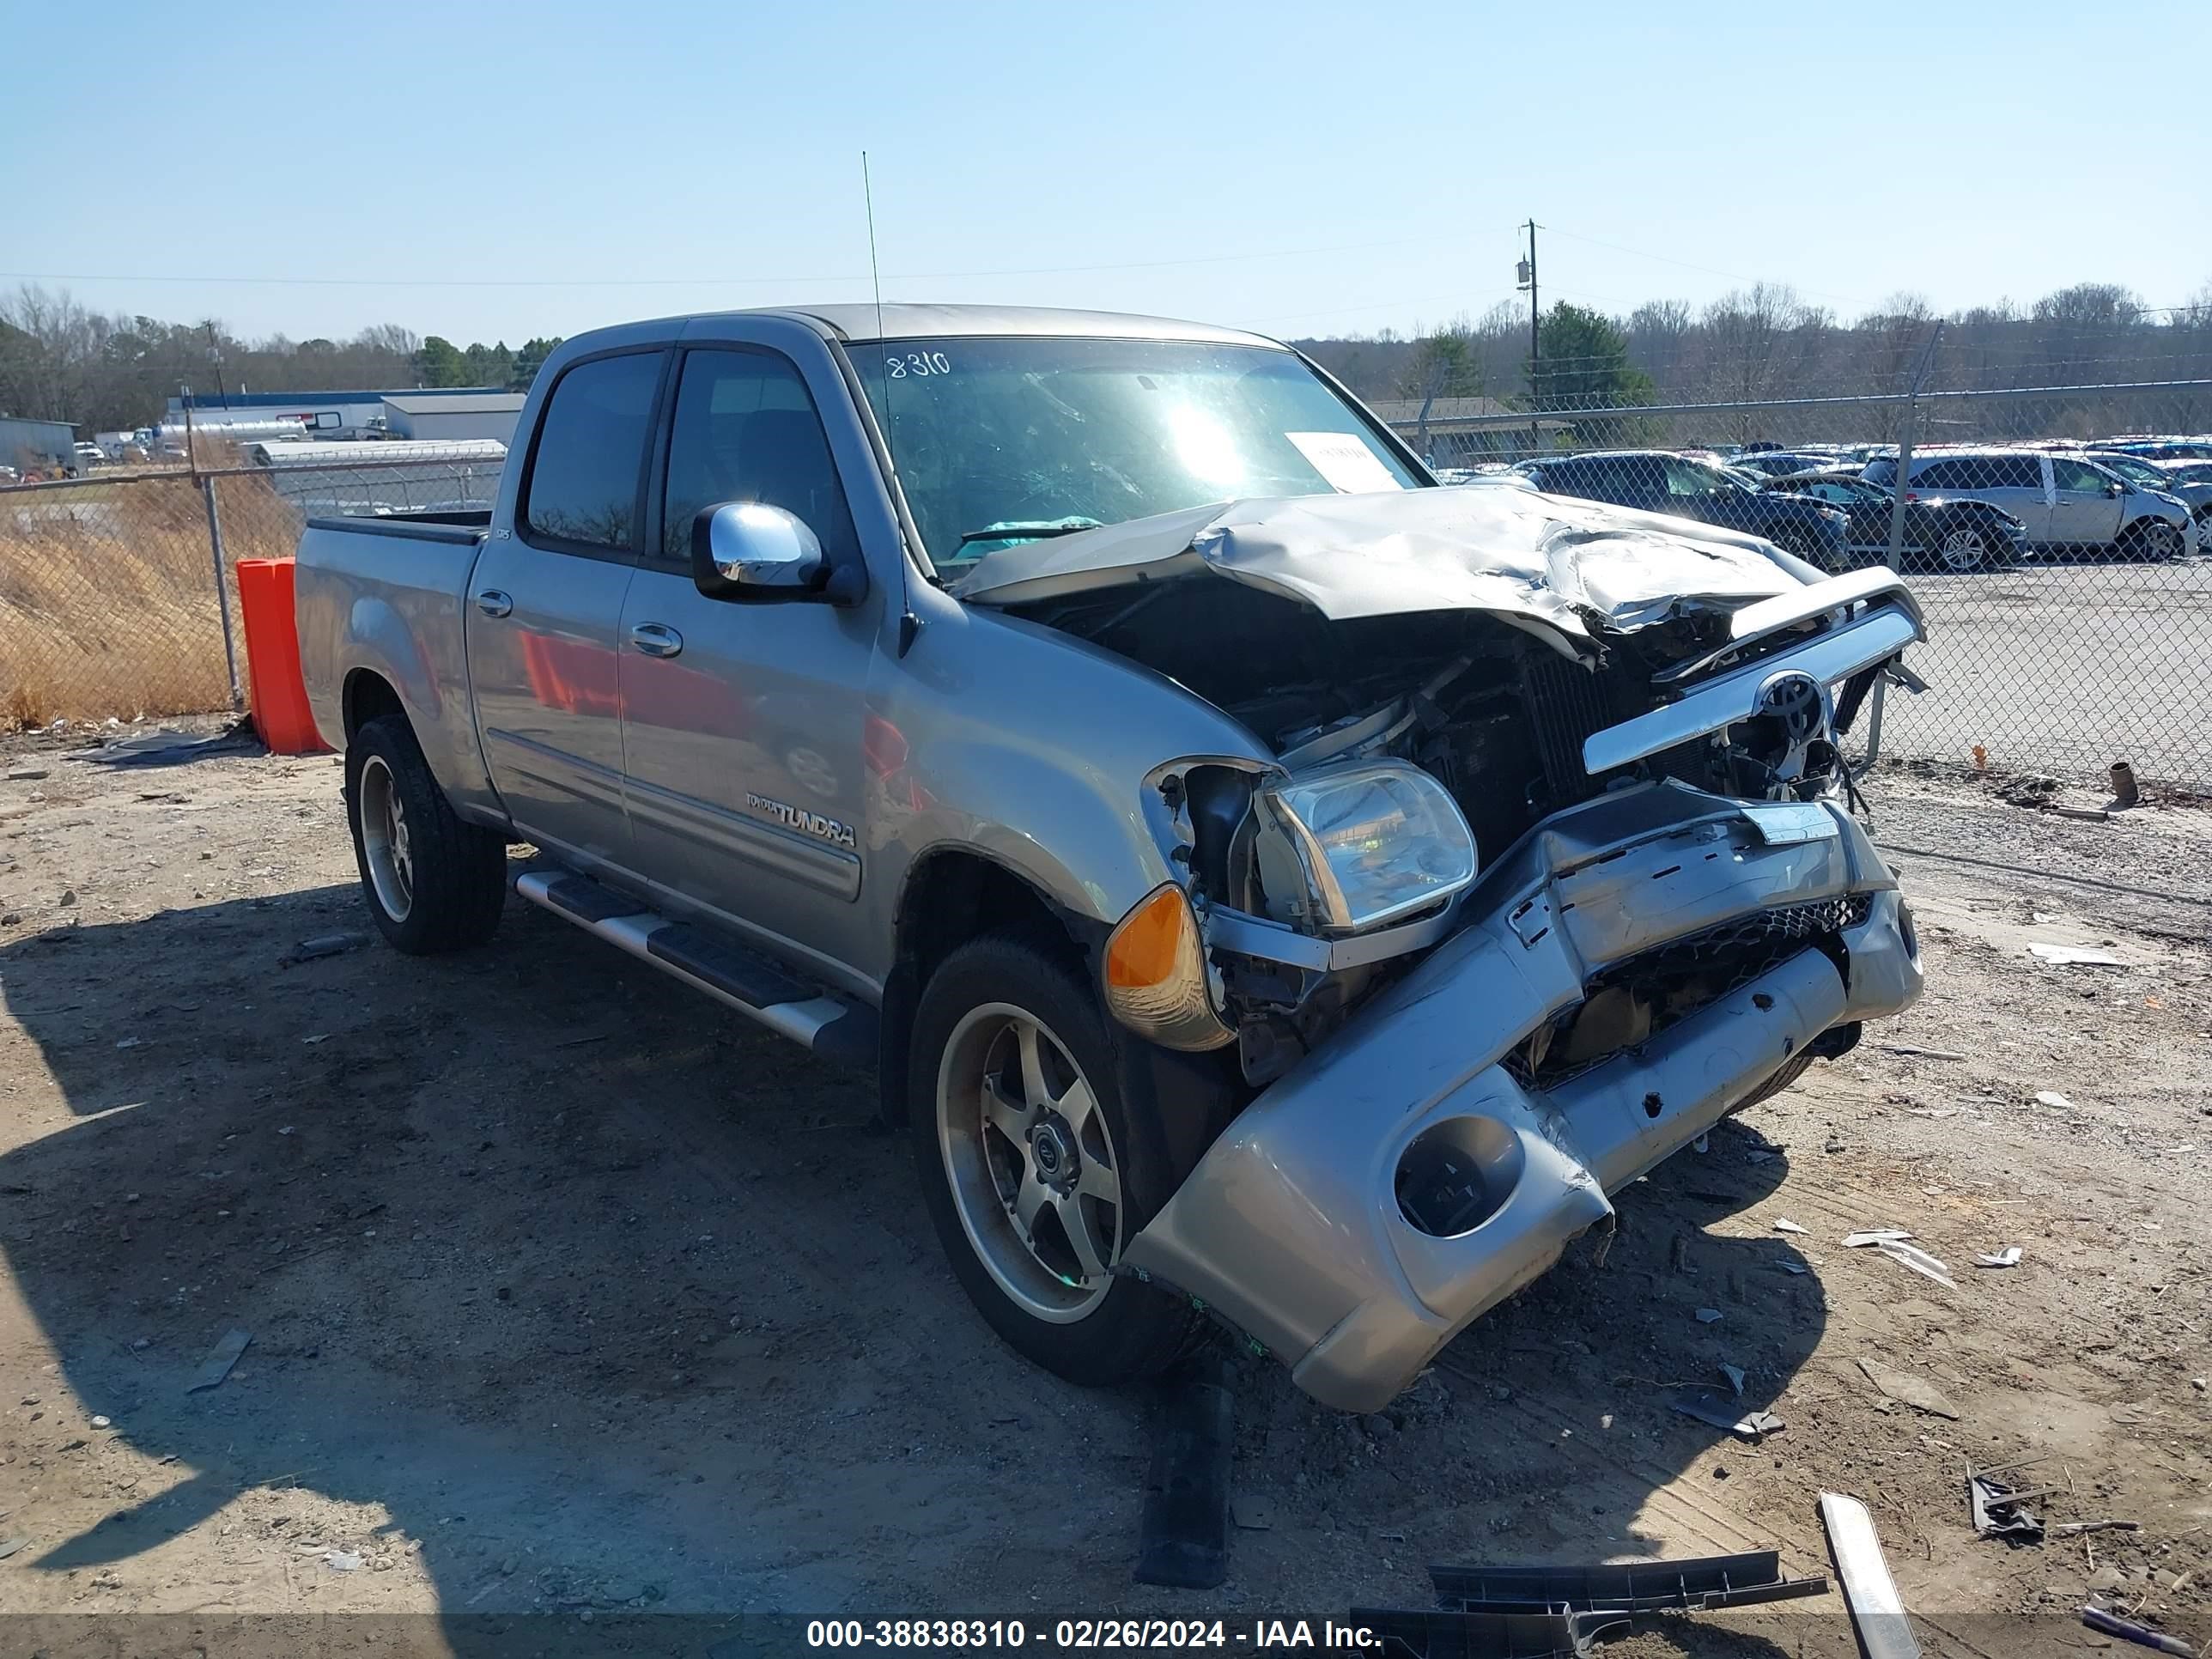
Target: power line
[[720, 280]]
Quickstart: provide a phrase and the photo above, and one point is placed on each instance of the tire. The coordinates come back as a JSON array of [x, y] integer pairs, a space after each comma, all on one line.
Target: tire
[[2152, 540], [1961, 551], [434, 882], [967, 1036]]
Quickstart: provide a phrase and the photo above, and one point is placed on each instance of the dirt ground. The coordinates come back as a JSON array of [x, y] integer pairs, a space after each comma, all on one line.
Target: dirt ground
[[570, 1295]]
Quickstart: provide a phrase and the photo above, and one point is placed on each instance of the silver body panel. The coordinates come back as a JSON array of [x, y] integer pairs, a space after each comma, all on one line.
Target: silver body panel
[[786, 769]]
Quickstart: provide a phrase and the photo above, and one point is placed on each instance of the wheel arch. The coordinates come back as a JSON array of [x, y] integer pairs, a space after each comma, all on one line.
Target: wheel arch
[[950, 894], [368, 696]]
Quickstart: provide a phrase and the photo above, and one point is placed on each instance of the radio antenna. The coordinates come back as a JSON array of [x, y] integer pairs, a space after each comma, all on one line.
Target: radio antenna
[[876, 275]]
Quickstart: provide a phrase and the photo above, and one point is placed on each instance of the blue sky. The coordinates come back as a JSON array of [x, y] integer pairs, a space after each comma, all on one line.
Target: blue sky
[[479, 171]]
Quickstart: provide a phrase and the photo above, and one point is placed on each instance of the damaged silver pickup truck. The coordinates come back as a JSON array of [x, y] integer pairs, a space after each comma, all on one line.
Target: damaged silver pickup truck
[[1268, 884]]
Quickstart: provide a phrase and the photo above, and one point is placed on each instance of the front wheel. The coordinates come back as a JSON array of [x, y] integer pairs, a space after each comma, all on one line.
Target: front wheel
[[434, 881], [1963, 550], [1037, 1167], [2156, 541]]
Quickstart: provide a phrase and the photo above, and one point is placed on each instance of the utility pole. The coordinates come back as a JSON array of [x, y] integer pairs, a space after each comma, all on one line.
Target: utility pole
[[215, 356], [1527, 273]]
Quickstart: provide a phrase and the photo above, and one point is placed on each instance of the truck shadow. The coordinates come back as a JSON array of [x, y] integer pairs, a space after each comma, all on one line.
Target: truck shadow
[[571, 1296]]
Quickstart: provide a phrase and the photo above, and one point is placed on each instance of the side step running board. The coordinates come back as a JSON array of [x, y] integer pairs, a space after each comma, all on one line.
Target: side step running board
[[744, 980]]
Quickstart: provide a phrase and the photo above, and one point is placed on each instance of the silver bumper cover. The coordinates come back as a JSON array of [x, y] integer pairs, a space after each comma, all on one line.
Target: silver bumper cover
[[1290, 1226]]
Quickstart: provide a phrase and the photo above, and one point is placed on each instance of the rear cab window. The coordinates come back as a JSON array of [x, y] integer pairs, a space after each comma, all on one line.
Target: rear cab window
[[587, 460]]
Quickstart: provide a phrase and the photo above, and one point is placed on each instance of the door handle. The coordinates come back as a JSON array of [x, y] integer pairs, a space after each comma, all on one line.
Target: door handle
[[493, 602], [656, 639]]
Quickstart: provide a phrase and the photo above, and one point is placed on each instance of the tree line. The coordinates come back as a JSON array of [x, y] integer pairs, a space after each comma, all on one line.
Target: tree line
[[1768, 342], [62, 362]]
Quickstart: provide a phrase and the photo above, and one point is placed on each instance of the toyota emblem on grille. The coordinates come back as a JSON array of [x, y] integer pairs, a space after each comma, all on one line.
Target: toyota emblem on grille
[[1798, 700]]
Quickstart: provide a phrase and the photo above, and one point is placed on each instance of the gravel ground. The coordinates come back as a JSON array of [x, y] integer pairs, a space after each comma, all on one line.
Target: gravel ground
[[569, 1295]]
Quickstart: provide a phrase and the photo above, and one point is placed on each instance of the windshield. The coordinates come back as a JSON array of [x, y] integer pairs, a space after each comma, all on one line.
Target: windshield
[[1034, 437], [2135, 471]]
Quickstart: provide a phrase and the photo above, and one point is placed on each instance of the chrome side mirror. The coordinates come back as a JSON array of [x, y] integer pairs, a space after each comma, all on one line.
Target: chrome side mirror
[[751, 550]]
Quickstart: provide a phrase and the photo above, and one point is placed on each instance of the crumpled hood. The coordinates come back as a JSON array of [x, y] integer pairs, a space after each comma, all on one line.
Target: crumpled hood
[[1557, 564]]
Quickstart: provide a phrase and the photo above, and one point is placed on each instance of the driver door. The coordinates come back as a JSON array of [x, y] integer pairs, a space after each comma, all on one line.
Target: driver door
[[2085, 508]]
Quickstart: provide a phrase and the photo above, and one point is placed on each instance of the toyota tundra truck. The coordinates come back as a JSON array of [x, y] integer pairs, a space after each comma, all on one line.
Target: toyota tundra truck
[[1267, 886]]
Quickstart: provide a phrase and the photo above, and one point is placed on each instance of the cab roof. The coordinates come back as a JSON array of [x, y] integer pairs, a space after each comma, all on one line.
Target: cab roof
[[861, 322]]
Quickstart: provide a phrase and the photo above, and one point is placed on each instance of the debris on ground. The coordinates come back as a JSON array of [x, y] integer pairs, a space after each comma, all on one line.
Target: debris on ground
[[2008, 1257], [323, 945], [1182, 1532], [343, 1560], [1912, 1256], [2142, 1635], [220, 1359], [1875, 1236], [1907, 1390], [1709, 1315], [2076, 1529], [1784, 1224], [1998, 1507], [10, 1546], [1568, 1610], [1735, 1375], [1708, 1406], [1915, 1049], [2075, 956], [1253, 1513], [1877, 1610], [2052, 1098]]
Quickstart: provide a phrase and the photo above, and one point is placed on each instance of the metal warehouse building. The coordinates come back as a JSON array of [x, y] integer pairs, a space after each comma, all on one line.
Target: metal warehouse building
[[318, 411], [445, 416], [28, 443]]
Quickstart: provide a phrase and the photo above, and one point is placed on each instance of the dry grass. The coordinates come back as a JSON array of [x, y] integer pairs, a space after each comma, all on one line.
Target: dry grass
[[107, 601]]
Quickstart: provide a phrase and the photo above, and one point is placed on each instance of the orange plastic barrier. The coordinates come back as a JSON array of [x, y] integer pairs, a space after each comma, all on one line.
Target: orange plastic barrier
[[277, 695]]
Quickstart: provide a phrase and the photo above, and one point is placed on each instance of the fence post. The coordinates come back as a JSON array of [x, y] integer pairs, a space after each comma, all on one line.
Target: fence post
[[222, 593], [1905, 453]]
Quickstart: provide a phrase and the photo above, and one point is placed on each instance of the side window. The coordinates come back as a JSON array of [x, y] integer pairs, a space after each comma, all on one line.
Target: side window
[[591, 447], [2020, 472], [2077, 475], [746, 430], [1688, 478], [1938, 474]]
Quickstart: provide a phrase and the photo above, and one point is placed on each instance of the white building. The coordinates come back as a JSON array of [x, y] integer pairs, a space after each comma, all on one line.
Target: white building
[[445, 416]]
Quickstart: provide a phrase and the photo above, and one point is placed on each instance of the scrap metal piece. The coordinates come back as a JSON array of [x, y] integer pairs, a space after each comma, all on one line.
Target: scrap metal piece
[[1907, 1390], [1877, 1611], [1707, 1406], [1912, 1256], [2128, 1631], [1998, 1512], [220, 1359]]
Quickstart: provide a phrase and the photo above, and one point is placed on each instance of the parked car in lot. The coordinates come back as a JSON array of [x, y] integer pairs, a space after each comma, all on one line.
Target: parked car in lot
[[1304, 909], [2068, 505], [2161, 449], [1941, 532], [2159, 478], [1659, 481]]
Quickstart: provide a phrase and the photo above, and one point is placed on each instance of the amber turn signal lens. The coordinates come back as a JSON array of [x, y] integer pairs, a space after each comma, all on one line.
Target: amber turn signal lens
[[1150, 942], [1155, 974]]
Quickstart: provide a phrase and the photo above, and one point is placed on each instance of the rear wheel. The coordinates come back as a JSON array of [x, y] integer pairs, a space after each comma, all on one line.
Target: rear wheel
[[434, 882], [1037, 1166]]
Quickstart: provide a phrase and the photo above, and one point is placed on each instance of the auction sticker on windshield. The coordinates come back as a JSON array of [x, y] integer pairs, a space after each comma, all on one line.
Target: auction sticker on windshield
[[1345, 462]]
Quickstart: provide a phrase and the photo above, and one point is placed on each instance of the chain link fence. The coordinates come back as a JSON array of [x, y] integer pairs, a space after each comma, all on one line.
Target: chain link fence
[[2059, 538], [116, 593]]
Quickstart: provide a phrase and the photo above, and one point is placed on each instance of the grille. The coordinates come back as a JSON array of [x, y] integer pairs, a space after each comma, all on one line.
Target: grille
[[1694, 972]]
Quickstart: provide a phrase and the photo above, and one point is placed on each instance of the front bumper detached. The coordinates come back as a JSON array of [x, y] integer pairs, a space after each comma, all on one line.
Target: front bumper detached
[[1292, 1226]]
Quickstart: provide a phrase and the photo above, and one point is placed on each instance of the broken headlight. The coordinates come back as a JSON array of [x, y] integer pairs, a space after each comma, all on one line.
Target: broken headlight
[[1351, 847]]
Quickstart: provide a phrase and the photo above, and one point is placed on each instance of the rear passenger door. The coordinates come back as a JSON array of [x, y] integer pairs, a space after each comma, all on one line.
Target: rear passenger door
[[2085, 510], [742, 720], [544, 603]]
